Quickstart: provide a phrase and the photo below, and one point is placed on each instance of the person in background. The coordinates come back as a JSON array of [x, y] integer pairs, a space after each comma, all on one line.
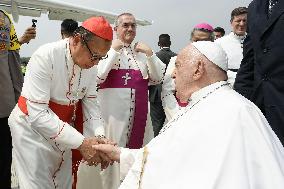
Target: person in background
[[68, 26], [202, 32], [156, 108], [233, 42], [260, 77], [219, 32], [11, 81]]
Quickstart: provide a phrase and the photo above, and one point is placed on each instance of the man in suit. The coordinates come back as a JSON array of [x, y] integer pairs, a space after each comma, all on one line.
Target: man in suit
[[156, 109], [261, 75]]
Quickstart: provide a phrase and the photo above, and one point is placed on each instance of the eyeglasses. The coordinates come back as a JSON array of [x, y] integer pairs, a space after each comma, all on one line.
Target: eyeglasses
[[94, 56], [126, 25]]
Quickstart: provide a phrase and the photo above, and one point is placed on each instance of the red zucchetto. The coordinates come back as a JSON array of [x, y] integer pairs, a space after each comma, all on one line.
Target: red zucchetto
[[99, 26]]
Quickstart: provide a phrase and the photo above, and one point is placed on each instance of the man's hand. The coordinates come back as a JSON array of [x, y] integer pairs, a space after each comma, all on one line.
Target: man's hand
[[103, 140], [88, 152], [117, 44], [110, 151], [91, 155], [143, 48], [105, 160], [29, 34]]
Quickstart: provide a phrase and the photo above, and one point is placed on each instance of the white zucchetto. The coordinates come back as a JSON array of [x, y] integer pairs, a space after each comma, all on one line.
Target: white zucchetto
[[213, 52]]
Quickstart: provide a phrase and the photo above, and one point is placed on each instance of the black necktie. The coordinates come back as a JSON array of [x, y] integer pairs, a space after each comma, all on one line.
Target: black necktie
[[271, 6]]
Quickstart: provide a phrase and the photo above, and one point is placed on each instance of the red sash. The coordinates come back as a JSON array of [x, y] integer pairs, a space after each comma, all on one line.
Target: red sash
[[65, 113]]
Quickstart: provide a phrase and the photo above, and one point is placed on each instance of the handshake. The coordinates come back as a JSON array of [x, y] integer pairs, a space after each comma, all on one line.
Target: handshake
[[97, 150]]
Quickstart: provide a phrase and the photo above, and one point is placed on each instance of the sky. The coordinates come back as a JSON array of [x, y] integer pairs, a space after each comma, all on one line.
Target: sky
[[175, 17]]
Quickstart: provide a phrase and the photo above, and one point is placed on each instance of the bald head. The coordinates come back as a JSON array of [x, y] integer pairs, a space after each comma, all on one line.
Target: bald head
[[190, 54], [194, 71]]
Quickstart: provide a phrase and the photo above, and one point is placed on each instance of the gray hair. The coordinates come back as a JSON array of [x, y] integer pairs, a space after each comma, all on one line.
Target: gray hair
[[117, 20]]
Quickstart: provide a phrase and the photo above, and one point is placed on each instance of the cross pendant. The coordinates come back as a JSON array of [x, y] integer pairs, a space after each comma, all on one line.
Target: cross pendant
[[126, 78]]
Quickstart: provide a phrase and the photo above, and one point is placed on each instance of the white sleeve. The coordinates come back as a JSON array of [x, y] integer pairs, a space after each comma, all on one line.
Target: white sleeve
[[156, 69], [106, 65], [127, 158], [41, 117], [93, 122], [169, 101]]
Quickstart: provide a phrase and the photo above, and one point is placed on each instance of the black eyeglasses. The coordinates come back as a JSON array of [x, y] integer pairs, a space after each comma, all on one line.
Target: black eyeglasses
[[94, 56]]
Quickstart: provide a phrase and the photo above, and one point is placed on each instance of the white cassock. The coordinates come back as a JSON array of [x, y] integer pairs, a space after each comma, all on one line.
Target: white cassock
[[233, 46], [42, 142], [118, 100], [220, 140], [169, 101]]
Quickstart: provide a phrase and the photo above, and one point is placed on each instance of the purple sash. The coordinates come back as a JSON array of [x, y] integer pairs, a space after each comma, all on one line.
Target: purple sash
[[121, 79]]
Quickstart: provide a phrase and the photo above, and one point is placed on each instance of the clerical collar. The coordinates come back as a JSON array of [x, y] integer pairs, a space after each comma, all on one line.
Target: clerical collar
[[131, 45], [127, 45], [238, 37], [196, 96], [165, 47]]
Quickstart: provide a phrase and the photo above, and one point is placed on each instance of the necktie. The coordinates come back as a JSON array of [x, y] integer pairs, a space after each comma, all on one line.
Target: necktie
[[271, 5]]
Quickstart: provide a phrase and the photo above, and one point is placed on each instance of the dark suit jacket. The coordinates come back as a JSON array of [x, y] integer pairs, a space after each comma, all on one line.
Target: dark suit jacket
[[261, 75], [155, 90]]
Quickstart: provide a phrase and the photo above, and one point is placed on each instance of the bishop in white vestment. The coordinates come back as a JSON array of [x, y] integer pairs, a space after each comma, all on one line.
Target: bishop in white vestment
[[123, 80], [220, 140]]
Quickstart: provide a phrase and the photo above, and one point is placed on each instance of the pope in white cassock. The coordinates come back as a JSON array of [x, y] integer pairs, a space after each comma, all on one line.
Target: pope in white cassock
[[123, 80], [220, 140], [171, 105], [47, 122]]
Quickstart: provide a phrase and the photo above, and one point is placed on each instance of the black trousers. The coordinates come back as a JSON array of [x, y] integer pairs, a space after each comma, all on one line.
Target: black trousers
[[158, 116], [6, 154]]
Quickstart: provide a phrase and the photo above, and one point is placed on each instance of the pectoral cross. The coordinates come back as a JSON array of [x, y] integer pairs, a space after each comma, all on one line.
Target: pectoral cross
[[126, 78]]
